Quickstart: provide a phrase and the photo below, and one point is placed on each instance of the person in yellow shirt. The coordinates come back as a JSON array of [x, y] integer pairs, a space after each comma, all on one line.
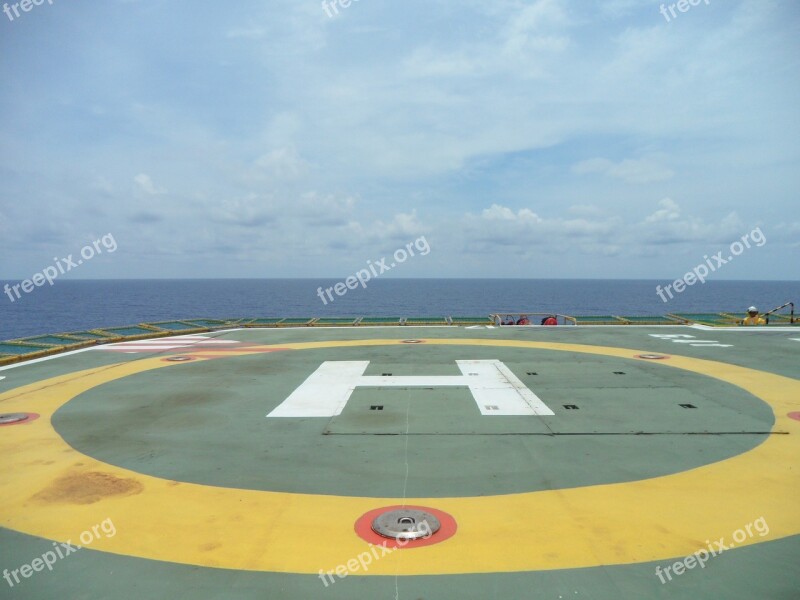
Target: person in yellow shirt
[[752, 317]]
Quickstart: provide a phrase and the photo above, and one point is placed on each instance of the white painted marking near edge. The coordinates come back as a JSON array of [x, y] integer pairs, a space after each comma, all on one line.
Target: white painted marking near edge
[[117, 348], [2, 377], [168, 342], [326, 391], [692, 341], [761, 329], [165, 343], [44, 358], [62, 354], [669, 336]]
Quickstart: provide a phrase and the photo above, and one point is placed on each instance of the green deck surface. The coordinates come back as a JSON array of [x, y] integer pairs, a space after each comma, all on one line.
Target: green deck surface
[[204, 422]]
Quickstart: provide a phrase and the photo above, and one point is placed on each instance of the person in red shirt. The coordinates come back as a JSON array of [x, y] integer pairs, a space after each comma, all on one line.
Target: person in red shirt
[[523, 320], [551, 320]]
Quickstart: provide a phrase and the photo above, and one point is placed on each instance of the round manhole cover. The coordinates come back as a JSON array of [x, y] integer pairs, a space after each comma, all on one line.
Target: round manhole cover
[[652, 356], [412, 341], [8, 418], [179, 358], [406, 524]]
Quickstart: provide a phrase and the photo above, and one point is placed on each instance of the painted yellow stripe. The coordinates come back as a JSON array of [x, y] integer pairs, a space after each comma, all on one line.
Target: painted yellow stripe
[[648, 520]]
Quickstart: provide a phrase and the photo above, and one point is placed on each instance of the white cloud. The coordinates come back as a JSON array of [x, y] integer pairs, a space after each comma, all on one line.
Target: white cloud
[[282, 163], [503, 213], [403, 225], [524, 228], [146, 184], [323, 209], [400, 227], [283, 132], [668, 225], [250, 211], [535, 28], [592, 232], [669, 211]]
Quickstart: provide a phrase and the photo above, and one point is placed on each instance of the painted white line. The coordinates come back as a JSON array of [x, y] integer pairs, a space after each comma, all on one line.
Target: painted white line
[[397, 327], [116, 348], [71, 352], [495, 389], [156, 343], [171, 342], [165, 344], [152, 348], [38, 360], [185, 341], [578, 327], [739, 329]]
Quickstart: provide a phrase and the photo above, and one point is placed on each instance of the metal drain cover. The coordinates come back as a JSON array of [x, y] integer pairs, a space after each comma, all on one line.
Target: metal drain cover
[[406, 524], [653, 356], [179, 358], [412, 341], [13, 418]]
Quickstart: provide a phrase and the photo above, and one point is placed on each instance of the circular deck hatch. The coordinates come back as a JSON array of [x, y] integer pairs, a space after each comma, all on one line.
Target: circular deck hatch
[[406, 524], [8, 418]]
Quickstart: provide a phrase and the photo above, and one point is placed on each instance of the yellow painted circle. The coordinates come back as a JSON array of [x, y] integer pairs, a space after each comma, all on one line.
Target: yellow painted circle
[[51, 490]]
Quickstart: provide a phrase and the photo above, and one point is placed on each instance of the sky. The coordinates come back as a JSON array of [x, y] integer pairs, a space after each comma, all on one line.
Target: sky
[[272, 138]]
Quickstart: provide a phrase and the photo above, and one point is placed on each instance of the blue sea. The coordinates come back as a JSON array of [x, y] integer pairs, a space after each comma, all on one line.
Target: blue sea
[[71, 305]]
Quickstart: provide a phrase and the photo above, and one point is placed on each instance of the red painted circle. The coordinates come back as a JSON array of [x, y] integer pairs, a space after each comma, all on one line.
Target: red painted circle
[[447, 530], [794, 415], [31, 417], [652, 356]]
